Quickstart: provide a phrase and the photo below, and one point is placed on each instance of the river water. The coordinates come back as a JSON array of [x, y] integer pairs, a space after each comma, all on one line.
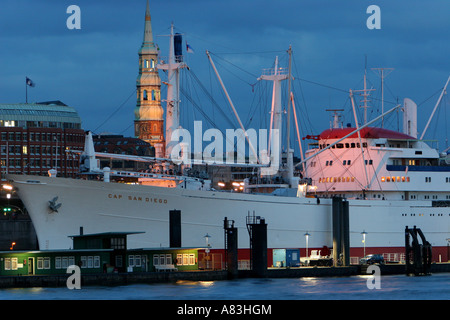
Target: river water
[[395, 287]]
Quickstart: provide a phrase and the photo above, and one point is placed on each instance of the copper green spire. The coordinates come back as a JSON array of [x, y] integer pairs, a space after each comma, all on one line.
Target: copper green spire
[[148, 44]]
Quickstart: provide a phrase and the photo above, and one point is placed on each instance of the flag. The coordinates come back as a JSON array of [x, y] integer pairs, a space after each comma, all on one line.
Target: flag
[[30, 82], [189, 48]]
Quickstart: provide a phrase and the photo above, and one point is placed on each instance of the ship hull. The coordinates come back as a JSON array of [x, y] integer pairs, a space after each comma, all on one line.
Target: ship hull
[[114, 207]]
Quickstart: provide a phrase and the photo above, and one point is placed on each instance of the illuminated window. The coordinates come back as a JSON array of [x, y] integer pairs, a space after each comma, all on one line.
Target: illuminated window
[[388, 179], [393, 179], [191, 259], [383, 179], [7, 263], [353, 179], [407, 179], [403, 179], [398, 179]]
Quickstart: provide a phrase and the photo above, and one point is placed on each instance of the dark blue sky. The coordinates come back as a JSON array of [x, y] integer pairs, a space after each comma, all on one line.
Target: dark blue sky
[[94, 69]]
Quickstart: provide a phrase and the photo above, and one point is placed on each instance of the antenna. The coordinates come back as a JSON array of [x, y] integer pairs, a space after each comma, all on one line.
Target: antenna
[[336, 118], [365, 91], [382, 73]]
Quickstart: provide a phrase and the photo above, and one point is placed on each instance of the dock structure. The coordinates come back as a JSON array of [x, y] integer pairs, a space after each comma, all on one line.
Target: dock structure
[[418, 255]]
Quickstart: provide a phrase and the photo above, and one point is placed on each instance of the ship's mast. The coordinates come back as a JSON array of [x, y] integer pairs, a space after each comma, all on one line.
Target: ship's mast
[[276, 75], [383, 73], [173, 66]]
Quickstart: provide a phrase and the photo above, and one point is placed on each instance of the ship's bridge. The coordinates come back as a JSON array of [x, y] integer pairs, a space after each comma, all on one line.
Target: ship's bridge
[[366, 161]]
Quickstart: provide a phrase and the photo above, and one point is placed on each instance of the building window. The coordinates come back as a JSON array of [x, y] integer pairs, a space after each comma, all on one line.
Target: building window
[[43, 263], [7, 263], [156, 259], [97, 262], [117, 243], [145, 96]]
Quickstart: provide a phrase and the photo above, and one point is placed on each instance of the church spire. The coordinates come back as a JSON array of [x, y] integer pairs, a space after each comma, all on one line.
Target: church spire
[[147, 44], [149, 121]]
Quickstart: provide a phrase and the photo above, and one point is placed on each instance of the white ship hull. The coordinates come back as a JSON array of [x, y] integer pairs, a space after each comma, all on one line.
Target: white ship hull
[[114, 207]]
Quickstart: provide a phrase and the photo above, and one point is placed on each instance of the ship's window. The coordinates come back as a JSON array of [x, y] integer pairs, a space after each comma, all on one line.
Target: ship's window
[[347, 145], [339, 146], [344, 162], [349, 161], [353, 145], [388, 179], [393, 179]]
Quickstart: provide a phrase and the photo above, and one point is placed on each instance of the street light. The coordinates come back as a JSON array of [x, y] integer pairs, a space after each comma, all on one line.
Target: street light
[[307, 239], [364, 241], [208, 246]]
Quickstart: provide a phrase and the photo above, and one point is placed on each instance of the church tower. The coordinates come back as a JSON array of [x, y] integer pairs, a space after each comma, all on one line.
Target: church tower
[[149, 120]]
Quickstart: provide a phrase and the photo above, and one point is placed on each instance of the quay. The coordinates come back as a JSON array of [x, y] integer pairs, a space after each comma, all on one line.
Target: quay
[[125, 278]]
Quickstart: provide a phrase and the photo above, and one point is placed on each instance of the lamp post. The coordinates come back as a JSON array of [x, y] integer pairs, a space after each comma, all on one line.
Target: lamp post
[[208, 246], [307, 239], [364, 241]]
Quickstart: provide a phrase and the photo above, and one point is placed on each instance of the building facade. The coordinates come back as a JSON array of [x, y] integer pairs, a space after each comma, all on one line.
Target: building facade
[[34, 138]]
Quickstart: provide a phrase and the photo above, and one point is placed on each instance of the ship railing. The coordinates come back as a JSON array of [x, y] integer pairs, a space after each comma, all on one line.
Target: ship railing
[[133, 174], [165, 59], [271, 71]]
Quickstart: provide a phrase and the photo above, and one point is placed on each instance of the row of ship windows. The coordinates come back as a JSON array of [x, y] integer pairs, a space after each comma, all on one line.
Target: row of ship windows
[[336, 179], [344, 145], [395, 179], [352, 179], [344, 162], [422, 214], [383, 179]]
